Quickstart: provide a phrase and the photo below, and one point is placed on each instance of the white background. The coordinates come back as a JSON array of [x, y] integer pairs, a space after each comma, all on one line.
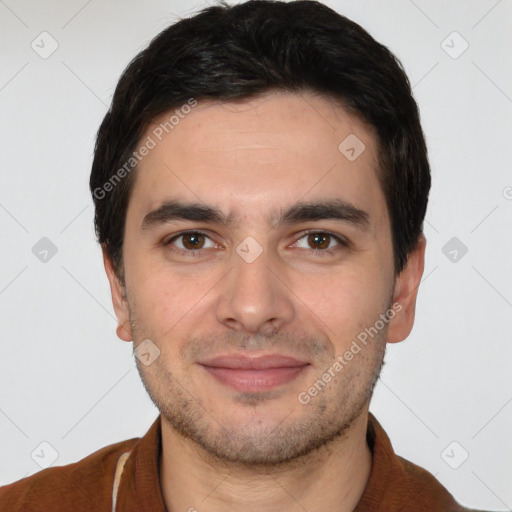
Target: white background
[[66, 379]]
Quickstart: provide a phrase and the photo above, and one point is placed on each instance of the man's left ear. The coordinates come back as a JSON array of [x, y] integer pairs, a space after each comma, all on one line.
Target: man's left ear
[[405, 293]]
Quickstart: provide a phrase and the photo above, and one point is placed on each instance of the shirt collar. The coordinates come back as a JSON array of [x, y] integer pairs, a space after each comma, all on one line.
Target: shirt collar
[[140, 490]]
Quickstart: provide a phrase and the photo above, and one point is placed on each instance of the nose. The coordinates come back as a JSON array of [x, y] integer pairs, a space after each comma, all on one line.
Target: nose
[[254, 297]]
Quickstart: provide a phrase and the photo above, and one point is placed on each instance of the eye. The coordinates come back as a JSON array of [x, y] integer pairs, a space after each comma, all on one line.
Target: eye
[[191, 241], [320, 241]]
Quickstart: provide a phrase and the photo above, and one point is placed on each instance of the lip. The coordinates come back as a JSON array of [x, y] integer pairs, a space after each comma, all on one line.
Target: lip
[[242, 361], [254, 374]]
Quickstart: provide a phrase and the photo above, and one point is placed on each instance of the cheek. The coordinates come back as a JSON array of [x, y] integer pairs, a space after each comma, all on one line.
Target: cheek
[[166, 300], [344, 301]]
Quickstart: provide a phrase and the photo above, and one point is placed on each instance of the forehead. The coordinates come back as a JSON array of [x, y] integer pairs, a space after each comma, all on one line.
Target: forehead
[[255, 157]]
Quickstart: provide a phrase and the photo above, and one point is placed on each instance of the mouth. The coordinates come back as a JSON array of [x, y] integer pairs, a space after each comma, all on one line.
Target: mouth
[[254, 374]]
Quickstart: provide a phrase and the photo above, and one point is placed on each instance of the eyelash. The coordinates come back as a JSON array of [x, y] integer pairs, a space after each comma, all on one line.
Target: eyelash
[[196, 252]]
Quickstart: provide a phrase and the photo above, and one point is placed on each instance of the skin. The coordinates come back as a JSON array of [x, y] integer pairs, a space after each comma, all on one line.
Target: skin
[[262, 451]]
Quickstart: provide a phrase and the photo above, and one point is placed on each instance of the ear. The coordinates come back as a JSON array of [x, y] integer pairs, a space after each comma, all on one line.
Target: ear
[[405, 293], [119, 301]]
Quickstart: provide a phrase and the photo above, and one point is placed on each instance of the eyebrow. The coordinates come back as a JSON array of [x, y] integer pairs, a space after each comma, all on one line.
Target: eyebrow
[[335, 209]]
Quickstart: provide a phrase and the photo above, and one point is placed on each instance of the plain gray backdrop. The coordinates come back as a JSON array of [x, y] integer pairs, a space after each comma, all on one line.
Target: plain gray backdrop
[[445, 396]]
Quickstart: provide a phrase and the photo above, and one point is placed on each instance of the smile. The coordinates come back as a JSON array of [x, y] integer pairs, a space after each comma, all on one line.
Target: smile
[[246, 374]]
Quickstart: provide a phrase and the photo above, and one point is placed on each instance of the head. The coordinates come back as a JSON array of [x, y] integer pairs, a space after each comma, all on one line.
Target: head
[[260, 184]]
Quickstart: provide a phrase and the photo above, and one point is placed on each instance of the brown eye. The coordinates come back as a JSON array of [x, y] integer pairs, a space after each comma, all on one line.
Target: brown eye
[[319, 240], [193, 241]]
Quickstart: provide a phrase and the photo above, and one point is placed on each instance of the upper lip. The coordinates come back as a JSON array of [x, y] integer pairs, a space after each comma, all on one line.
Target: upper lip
[[244, 362]]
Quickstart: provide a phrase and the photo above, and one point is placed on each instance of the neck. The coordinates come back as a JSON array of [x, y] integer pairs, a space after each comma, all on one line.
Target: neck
[[332, 478]]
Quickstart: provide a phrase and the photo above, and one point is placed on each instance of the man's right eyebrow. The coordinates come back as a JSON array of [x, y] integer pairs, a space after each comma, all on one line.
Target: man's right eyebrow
[[177, 210]]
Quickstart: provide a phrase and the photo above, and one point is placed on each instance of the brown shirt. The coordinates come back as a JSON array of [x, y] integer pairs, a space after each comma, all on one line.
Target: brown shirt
[[395, 484]]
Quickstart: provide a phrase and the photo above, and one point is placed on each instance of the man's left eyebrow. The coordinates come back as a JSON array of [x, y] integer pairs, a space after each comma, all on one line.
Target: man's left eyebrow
[[336, 209]]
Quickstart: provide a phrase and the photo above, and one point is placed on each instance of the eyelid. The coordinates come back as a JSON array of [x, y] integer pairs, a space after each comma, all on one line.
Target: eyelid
[[187, 232], [342, 241]]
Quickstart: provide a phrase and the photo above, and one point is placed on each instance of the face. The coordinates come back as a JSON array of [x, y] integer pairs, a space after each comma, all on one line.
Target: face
[[256, 253]]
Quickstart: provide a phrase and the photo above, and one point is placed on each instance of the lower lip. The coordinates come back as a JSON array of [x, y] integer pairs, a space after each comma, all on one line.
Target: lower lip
[[248, 381]]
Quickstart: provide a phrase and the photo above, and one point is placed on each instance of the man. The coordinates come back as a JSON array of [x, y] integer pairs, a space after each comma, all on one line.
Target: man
[[260, 184]]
